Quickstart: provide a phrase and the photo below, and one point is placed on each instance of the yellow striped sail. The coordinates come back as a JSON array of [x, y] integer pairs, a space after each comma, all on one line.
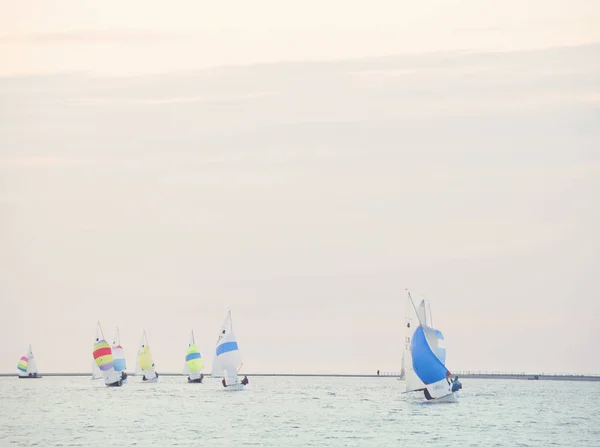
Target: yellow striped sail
[[193, 359]]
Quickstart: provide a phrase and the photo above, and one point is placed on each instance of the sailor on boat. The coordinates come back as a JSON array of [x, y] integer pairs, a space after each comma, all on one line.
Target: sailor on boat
[[123, 375], [197, 380], [245, 380], [456, 385]]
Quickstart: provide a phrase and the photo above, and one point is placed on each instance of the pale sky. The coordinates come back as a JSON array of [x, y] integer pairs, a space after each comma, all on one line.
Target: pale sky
[[303, 165]]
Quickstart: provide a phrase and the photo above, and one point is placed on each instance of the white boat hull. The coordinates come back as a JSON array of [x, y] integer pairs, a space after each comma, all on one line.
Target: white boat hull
[[236, 387], [447, 399], [154, 380]]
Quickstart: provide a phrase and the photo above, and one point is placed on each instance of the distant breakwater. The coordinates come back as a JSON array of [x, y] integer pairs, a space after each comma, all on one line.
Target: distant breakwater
[[462, 375]]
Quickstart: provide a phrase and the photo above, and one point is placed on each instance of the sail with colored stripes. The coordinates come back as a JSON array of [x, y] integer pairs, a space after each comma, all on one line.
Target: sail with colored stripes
[[27, 366], [228, 360], [22, 366], [193, 359], [103, 357]]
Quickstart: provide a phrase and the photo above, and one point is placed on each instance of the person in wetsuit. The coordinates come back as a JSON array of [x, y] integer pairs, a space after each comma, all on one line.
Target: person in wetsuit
[[245, 380], [456, 385]]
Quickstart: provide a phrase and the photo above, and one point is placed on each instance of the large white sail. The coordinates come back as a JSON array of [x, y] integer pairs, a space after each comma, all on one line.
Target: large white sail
[[228, 360], [145, 363], [32, 364]]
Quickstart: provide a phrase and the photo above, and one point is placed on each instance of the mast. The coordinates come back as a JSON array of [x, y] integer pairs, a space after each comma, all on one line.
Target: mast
[[414, 307], [407, 326], [430, 314], [101, 331]]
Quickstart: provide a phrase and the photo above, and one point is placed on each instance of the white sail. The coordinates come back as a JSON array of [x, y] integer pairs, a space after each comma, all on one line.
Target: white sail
[[413, 383], [32, 364], [422, 313], [96, 373], [228, 360], [145, 363]]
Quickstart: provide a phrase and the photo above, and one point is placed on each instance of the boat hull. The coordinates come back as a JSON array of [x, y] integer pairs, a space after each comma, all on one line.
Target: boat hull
[[447, 399], [236, 387], [199, 380], [30, 377], [115, 384]]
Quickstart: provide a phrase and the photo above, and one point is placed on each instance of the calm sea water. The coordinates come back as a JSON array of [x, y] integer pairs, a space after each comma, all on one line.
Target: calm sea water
[[295, 412]]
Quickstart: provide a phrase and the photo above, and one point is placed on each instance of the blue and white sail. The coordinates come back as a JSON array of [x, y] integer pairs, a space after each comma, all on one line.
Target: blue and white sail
[[227, 361], [423, 315], [119, 360], [427, 365]]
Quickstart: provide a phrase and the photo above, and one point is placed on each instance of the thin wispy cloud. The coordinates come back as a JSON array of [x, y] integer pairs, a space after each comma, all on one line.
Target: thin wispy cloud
[[103, 101], [144, 37]]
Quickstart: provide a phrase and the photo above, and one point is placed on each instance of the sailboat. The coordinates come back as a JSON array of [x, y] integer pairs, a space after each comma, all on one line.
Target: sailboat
[[193, 362], [104, 359], [27, 366], [423, 314], [145, 364], [228, 361], [119, 357], [427, 365]]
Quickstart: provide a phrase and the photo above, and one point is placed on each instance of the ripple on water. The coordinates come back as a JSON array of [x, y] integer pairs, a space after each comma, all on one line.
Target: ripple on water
[[295, 412]]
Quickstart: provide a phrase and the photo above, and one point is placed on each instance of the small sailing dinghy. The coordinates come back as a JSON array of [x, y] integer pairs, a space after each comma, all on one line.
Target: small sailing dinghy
[[423, 314], [104, 359], [228, 361], [119, 357], [27, 366], [193, 362], [145, 364], [428, 366]]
